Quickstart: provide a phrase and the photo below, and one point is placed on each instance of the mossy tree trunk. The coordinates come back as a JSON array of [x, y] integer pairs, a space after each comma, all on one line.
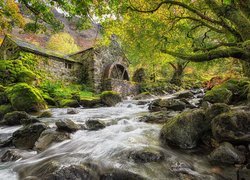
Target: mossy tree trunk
[[179, 68]]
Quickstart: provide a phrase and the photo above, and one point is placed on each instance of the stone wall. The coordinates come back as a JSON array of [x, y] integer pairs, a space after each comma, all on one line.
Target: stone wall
[[103, 57], [56, 70], [125, 88]]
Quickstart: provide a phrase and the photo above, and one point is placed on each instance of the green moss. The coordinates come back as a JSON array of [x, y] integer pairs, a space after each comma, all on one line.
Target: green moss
[[25, 98], [105, 93], [68, 103], [2, 88], [49, 100], [4, 109], [13, 71], [218, 95]]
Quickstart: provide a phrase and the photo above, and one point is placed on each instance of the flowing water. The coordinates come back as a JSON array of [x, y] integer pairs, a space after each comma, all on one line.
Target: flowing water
[[109, 147]]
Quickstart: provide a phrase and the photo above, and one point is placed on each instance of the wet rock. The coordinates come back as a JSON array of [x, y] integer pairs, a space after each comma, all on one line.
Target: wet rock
[[31, 178], [29, 121], [118, 174], [183, 94], [11, 155], [232, 126], [67, 125], [14, 118], [167, 104], [80, 172], [94, 124], [26, 137], [6, 143], [45, 114], [185, 130], [50, 136], [40, 169], [4, 109], [147, 155], [72, 111], [142, 96], [216, 109], [158, 117], [226, 154], [218, 95], [205, 105], [110, 98], [90, 103]]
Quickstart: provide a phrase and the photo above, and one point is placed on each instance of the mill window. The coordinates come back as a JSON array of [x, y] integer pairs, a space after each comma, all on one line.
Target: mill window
[[68, 66]]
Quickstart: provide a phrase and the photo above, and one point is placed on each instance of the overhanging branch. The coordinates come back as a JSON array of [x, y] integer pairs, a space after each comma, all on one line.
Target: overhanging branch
[[234, 52]]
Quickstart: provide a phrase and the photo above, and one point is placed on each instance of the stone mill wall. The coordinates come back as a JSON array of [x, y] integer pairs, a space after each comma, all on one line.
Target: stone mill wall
[[125, 88]]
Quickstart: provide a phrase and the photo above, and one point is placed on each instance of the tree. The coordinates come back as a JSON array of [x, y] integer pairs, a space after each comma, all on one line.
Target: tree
[[217, 29], [179, 68], [62, 42], [10, 15]]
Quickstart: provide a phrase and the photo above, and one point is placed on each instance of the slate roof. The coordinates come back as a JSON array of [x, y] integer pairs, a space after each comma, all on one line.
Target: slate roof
[[25, 46]]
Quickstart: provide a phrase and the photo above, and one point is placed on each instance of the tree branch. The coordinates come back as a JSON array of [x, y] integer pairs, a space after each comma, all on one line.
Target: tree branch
[[234, 52], [173, 66], [185, 6], [216, 46]]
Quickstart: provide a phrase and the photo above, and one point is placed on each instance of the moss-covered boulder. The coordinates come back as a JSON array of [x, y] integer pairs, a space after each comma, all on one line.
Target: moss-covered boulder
[[69, 103], [25, 98], [14, 118], [49, 100], [167, 104], [4, 109], [238, 87], [185, 130], [226, 154], [216, 109], [45, 114], [233, 126], [26, 137], [110, 98], [2, 88], [90, 102], [218, 95]]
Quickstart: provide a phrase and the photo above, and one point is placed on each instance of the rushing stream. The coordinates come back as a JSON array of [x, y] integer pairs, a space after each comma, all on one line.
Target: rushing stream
[[109, 147]]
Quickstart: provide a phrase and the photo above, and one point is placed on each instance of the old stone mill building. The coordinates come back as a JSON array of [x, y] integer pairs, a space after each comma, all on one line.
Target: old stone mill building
[[101, 68]]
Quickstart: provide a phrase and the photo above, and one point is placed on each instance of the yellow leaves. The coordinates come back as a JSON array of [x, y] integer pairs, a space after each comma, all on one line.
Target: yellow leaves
[[62, 42]]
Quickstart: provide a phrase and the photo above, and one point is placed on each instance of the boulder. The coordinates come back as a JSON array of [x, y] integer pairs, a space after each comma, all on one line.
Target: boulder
[[110, 98], [184, 94], [72, 111], [67, 125], [69, 103], [25, 98], [90, 103], [80, 172], [50, 136], [226, 154], [31, 120], [4, 109], [45, 114], [142, 96], [185, 130], [146, 155], [11, 155], [118, 174], [94, 124], [216, 109], [158, 117], [232, 126], [167, 104], [14, 118], [26, 137], [218, 95]]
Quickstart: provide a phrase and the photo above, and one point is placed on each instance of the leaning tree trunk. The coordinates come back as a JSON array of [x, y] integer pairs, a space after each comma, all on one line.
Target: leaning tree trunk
[[178, 73]]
